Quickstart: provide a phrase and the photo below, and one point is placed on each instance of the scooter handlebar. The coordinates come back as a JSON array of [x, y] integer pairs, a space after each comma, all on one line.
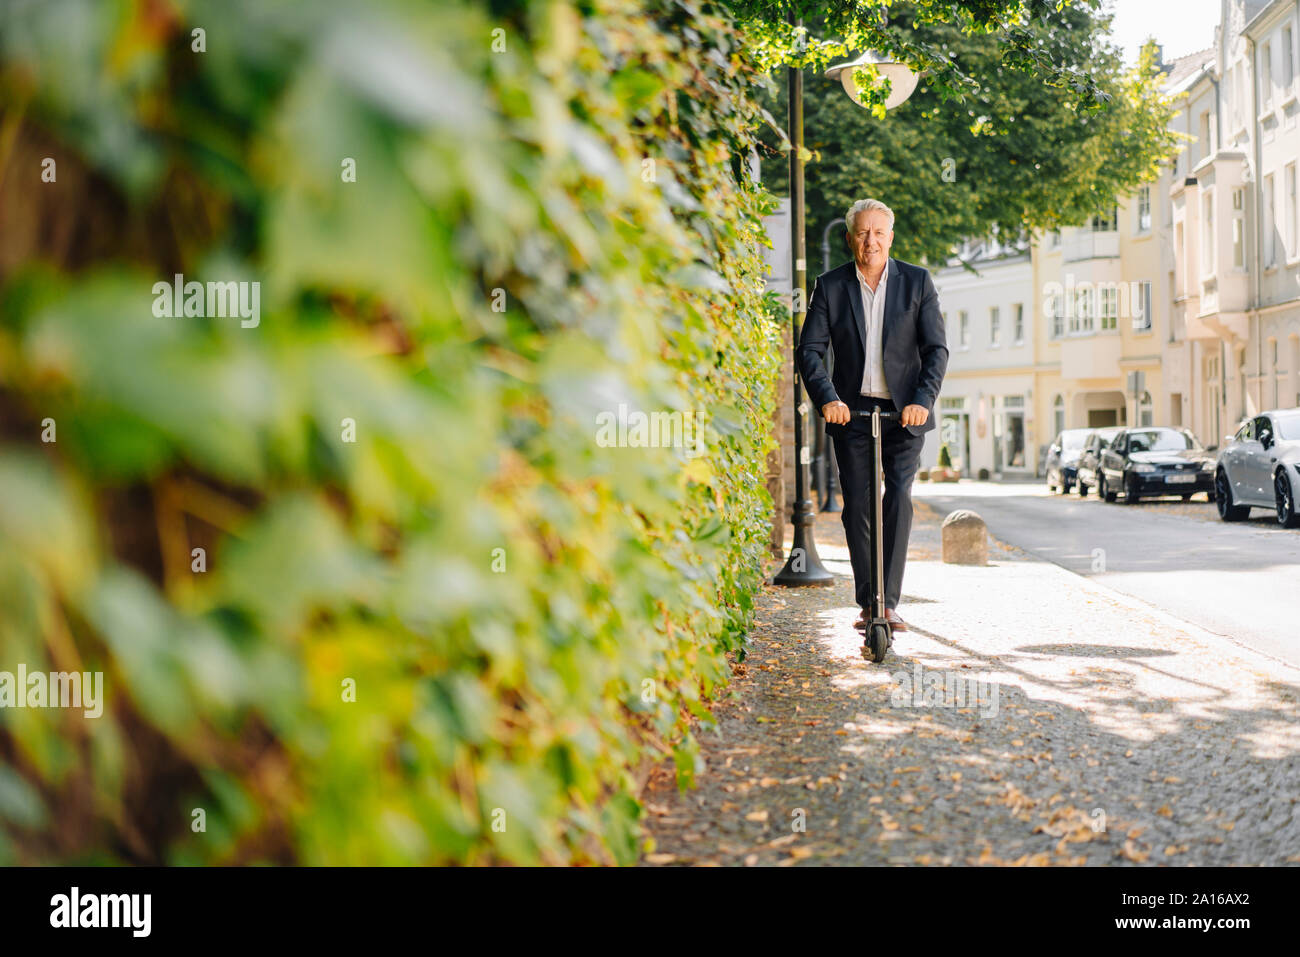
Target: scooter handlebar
[[866, 414]]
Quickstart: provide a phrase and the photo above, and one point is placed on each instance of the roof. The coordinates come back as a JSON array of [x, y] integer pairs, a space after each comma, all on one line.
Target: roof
[[1186, 68], [1257, 11]]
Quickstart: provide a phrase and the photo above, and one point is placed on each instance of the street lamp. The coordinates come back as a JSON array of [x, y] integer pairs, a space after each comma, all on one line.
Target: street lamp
[[804, 567], [902, 78]]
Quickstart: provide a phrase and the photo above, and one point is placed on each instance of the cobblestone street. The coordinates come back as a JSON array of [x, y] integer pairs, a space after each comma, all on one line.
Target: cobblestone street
[[1029, 716]]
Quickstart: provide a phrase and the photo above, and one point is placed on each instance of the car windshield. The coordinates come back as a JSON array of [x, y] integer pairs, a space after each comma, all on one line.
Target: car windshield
[[1288, 427], [1160, 440], [1073, 440]]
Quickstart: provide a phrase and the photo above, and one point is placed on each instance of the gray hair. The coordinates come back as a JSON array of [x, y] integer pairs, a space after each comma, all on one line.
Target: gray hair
[[861, 206]]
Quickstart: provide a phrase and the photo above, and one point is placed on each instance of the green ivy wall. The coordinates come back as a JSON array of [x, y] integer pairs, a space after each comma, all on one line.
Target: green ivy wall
[[440, 620]]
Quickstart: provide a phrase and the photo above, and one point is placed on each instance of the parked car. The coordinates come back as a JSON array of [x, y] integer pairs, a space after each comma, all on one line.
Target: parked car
[[1154, 461], [1260, 467], [1063, 459], [1096, 443]]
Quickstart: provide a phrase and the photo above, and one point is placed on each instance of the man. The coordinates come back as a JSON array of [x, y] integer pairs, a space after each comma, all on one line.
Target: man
[[881, 317]]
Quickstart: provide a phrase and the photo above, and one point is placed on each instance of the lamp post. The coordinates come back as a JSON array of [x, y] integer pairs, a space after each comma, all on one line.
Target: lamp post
[[825, 453], [803, 566]]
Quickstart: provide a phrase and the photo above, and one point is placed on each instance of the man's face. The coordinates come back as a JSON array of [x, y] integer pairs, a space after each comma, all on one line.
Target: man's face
[[871, 238]]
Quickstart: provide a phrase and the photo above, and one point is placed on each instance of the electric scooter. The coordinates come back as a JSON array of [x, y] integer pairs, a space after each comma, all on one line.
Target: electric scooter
[[878, 635]]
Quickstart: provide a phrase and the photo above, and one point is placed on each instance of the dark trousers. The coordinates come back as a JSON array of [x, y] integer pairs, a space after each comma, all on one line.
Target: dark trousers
[[901, 455]]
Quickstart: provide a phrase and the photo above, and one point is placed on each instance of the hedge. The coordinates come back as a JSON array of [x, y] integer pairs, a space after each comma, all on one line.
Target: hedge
[[366, 580]]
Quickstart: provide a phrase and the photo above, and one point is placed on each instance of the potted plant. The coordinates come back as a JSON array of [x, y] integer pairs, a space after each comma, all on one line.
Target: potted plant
[[943, 470]]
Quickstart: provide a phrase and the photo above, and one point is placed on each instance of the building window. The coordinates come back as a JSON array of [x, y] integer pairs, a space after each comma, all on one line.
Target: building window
[[1203, 145], [1266, 75], [1180, 254], [1207, 233], [1018, 311], [963, 326], [1055, 316], [1289, 179], [1107, 222], [1288, 58], [1109, 306], [1058, 415], [1238, 80], [1142, 310], [1238, 242], [1270, 246], [1081, 321], [1144, 410], [1144, 209], [995, 326]]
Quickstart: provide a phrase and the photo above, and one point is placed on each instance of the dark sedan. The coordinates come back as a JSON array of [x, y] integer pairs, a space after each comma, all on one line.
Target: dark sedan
[[1097, 442], [1155, 461]]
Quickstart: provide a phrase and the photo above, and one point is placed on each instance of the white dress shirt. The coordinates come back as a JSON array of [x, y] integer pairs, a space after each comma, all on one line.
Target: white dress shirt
[[873, 307]]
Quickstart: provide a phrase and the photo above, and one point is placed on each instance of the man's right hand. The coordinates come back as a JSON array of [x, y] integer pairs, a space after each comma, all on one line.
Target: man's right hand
[[836, 413]]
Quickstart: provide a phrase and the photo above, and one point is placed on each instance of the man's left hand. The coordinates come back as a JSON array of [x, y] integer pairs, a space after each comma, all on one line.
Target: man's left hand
[[914, 415]]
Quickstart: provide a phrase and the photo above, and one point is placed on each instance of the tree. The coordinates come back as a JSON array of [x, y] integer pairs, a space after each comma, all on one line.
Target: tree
[[1014, 153], [776, 36]]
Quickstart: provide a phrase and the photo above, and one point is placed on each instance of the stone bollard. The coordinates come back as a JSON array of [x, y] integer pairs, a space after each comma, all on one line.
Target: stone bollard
[[965, 539]]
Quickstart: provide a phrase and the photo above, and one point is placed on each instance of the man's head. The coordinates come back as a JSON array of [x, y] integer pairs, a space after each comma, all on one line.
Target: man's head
[[870, 232]]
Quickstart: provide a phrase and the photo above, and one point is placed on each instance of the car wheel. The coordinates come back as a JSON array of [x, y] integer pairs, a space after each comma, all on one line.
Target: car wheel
[[1286, 513], [1186, 497], [1223, 499], [1131, 496], [1103, 490]]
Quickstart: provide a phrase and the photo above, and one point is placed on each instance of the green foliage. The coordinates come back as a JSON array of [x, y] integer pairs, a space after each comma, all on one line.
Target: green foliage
[[520, 613], [1013, 153], [812, 33]]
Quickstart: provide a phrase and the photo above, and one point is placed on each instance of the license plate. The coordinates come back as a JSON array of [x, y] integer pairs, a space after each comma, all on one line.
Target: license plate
[[1180, 478]]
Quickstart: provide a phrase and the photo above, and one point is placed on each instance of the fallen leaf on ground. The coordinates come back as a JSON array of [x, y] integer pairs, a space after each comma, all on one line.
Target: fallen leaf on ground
[[1130, 851]]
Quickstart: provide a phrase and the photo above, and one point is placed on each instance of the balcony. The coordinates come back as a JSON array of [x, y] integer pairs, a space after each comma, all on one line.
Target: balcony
[[1089, 245], [1091, 356]]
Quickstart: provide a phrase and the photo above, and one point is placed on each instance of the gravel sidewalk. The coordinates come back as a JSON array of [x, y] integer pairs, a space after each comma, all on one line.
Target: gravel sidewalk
[[1028, 717]]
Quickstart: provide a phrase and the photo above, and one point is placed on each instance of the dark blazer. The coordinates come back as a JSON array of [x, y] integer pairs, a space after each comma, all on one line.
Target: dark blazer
[[914, 344]]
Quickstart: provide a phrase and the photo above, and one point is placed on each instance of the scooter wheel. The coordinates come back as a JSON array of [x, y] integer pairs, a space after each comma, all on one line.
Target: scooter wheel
[[878, 642]]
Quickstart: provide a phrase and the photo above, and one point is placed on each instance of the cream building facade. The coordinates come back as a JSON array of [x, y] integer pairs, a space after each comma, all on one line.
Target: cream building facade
[[985, 405], [1181, 305], [1265, 45]]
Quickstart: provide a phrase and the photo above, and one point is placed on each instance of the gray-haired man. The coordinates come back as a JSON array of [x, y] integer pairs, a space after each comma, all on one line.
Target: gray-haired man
[[881, 316]]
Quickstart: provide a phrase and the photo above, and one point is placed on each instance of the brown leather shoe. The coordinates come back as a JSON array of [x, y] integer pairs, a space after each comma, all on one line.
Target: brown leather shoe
[[895, 623]]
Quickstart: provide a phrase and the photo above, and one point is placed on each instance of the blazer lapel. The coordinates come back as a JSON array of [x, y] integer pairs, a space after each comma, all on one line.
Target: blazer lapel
[[855, 297], [892, 292]]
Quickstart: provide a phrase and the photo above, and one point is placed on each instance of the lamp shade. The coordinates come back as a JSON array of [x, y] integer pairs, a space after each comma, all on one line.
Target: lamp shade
[[902, 78]]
